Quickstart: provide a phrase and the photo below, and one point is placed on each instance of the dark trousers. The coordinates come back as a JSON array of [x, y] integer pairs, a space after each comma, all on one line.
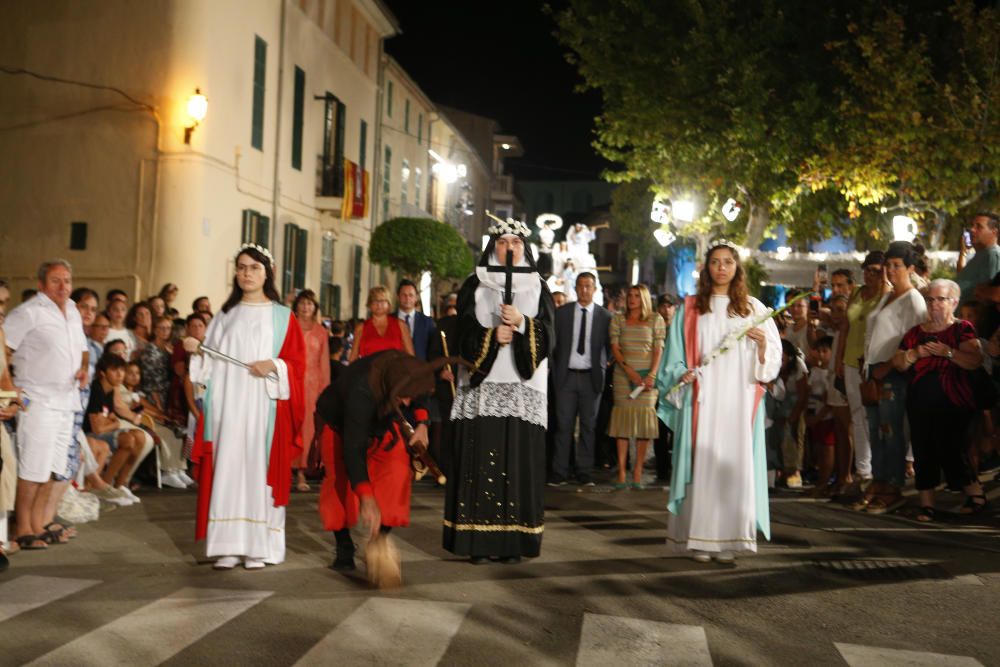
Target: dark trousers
[[662, 447], [576, 398], [938, 435]]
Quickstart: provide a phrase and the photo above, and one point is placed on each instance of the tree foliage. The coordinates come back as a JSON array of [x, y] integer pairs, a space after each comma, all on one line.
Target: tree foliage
[[918, 130], [806, 112], [630, 206], [414, 245]]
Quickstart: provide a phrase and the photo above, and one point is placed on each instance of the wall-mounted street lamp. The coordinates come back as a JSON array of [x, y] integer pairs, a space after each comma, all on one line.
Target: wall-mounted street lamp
[[197, 107]]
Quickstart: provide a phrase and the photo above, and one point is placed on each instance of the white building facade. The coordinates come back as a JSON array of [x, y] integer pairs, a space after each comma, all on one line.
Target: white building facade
[[97, 169]]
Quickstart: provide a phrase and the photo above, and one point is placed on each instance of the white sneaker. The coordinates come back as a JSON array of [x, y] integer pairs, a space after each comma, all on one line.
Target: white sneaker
[[701, 556], [185, 477], [725, 557], [173, 480], [253, 563], [128, 493], [226, 562], [113, 496]]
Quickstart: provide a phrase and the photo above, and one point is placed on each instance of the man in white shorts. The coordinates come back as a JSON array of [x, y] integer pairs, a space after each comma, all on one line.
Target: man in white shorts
[[49, 353]]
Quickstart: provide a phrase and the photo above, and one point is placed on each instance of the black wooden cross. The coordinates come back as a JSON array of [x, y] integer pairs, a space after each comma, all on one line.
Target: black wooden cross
[[509, 270]]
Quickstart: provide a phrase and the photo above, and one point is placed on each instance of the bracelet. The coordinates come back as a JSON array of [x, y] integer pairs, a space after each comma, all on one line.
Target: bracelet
[[951, 353]]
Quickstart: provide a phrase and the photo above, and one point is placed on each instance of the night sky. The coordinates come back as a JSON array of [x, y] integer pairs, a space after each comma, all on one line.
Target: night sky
[[500, 59]]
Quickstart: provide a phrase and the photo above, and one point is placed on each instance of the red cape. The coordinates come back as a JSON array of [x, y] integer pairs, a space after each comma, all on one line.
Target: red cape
[[286, 445]]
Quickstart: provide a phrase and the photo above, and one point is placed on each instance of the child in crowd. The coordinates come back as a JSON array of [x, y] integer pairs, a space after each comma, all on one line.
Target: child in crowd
[[795, 375], [836, 397], [780, 401], [103, 423], [819, 417]]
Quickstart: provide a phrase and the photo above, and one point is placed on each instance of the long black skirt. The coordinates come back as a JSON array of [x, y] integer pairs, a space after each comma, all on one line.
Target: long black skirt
[[493, 502]]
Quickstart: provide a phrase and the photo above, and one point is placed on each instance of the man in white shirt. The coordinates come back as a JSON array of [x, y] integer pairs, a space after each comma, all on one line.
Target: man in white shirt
[[48, 350], [579, 363]]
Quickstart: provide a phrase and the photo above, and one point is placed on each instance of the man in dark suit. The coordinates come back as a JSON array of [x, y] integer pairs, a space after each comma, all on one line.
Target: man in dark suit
[[422, 328], [579, 363]]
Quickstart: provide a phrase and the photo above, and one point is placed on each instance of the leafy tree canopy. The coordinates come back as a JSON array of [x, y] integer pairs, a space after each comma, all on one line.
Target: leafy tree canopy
[[803, 111], [414, 245]]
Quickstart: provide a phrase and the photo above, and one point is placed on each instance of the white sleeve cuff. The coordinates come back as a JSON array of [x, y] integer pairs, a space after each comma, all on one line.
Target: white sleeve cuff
[[279, 389]]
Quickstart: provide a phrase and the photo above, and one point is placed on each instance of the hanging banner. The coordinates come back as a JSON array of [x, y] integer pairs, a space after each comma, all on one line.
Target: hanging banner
[[355, 201]]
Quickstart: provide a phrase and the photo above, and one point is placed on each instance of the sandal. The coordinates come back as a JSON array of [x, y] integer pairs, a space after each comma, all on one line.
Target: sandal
[[620, 486], [926, 514], [970, 506], [67, 530], [638, 486], [880, 506], [53, 537], [861, 505], [303, 487], [31, 543]]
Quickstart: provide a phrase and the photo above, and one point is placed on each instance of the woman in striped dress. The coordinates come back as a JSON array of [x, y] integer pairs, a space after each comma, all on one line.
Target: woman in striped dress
[[637, 338]]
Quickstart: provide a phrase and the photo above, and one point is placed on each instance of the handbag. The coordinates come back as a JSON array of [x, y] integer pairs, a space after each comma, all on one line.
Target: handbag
[[871, 389]]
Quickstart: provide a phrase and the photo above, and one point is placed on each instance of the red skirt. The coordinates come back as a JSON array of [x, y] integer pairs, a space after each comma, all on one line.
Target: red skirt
[[390, 475]]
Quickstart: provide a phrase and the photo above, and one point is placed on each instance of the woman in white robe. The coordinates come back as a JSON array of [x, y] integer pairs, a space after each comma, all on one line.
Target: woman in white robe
[[252, 419], [718, 490]]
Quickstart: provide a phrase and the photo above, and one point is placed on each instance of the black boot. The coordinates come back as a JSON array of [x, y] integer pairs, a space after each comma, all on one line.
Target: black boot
[[344, 560]]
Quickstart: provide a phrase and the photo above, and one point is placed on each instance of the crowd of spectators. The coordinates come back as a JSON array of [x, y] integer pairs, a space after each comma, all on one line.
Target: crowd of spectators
[[87, 393], [887, 381]]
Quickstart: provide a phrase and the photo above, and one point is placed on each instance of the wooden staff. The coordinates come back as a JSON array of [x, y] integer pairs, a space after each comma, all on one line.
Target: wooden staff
[[444, 346], [420, 458]]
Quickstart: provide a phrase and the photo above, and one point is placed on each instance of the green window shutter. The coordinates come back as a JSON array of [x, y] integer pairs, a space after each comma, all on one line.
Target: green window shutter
[[298, 112], [363, 152], [248, 226], [263, 237], [358, 252], [259, 77], [301, 243], [388, 99], [339, 151], [288, 260], [406, 117], [386, 181], [420, 128]]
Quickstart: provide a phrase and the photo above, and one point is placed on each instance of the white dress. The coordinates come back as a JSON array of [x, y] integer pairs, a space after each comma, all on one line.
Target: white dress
[[719, 509], [242, 518]]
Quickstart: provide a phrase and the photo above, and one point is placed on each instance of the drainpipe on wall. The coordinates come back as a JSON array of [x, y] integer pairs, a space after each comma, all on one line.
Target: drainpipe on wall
[[377, 161], [276, 189]]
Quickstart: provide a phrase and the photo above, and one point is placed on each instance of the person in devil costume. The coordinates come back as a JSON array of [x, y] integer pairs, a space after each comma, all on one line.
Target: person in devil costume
[[366, 444]]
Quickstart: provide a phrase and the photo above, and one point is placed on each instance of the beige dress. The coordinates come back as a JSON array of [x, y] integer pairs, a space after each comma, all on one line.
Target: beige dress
[[635, 418]]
